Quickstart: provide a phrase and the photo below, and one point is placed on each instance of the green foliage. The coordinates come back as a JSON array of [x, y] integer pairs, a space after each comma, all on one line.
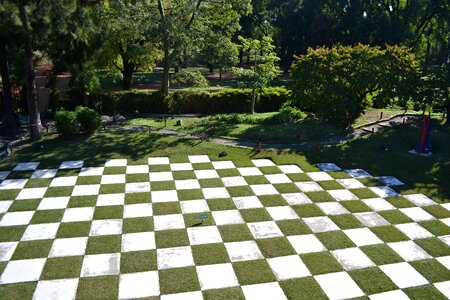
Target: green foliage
[[66, 123], [88, 119], [334, 83], [190, 78], [286, 114]]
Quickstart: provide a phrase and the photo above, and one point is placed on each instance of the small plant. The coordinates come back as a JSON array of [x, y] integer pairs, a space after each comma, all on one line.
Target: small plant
[[286, 114], [88, 119], [66, 123], [192, 78]]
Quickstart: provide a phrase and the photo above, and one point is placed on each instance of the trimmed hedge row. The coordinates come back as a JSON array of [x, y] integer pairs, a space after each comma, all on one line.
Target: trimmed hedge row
[[227, 101]]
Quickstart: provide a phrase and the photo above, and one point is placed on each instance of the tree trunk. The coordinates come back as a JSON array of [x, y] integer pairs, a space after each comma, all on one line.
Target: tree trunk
[[253, 100], [241, 58], [10, 124], [166, 69], [211, 68], [34, 119], [127, 74], [220, 73], [447, 96]]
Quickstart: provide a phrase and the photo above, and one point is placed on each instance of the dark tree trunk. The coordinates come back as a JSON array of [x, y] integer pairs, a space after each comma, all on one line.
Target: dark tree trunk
[[211, 68], [127, 74], [447, 96], [220, 73], [166, 69], [34, 119], [241, 57], [9, 116]]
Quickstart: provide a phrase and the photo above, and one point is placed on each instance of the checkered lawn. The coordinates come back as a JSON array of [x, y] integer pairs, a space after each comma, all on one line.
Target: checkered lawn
[[271, 232]]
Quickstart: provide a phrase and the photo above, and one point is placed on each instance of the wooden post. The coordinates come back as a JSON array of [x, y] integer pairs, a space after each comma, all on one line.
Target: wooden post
[[165, 122], [381, 115], [373, 129]]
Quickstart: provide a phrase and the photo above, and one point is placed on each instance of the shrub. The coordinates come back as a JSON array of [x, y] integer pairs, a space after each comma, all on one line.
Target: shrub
[[88, 119], [191, 78], [66, 123], [287, 114]]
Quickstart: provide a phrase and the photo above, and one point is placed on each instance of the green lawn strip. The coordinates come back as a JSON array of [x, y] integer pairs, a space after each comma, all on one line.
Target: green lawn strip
[[333, 240], [356, 206], [17, 291], [381, 254], [270, 170], [104, 244], [131, 225], [32, 249], [432, 270], [400, 202], [82, 201], [137, 178], [105, 287], [370, 182], [211, 182], [434, 246], [135, 198], [228, 173], [364, 193], [346, 221], [171, 238], [220, 204], [59, 191], [286, 188], [372, 280], [19, 175], [112, 188], [240, 191], [138, 261], [302, 289], [67, 172], [253, 180], [62, 267], [203, 166], [38, 182], [272, 200], [395, 216], [275, 247], [389, 234], [193, 220], [73, 229], [47, 216], [190, 194], [339, 175], [210, 254], [255, 215], [436, 227], [234, 293], [162, 186], [424, 292], [84, 180], [253, 272], [114, 170], [308, 210], [437, 211], [166, 208], [235, 233], [321, 263], [159, 168], [9, 194], [299, 177], [330, 185], [178, 280], [108, 212], [293, 227], [321, 196], [183, 175], [24, 205]]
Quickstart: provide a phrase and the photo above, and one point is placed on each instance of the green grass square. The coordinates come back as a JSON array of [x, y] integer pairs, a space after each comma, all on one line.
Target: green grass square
[[234, 293], [356, 206], [437, 211], [395, 216], [255, 215], [333, 240], [286, 188], [104, 244], [240, 191], [24, 205], [339, 175], [298, 177], [171, 238], [308, 210], [82, 201], [274, 247], [221, 204], [424, 292], [293, 227], [302, 289], [434, 246], [193, 220], [162, 185], [346, 221], [159, 168], [114, 170], [253, 272], [104, 287], [320, 196], [210, 254], [9, 194], [73, 229], [195, 194], [32, 249], [20, 175], [67, 172], [108, 212], [62, 267], [389, 234], [112, 188], [372, 280], [270, 170], [381, 254], [436, 227], [18, 291], [235, 233], [228, 173], [272, 200], [330, 185], [11, 233], [137, 178], [84, 180], [364, 193], [182, 175], [47, 216], [137, 225], [166, 208], [211, 182], [59, 191], [370, 182], [252, 180], [38, 182], [321, 263], [203, 166], [135, 198], [178, 280], [432, 270], [139, 261], [400, 202]]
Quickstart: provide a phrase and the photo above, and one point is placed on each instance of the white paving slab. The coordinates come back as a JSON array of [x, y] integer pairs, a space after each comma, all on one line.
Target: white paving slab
[[4, 206], [16, 218], [417, 214], [160, 176], [445, 260], [389, 180], [64, 181], [332, 208], [320, 224], [362, 237], [243, 251], [282, 213], [78, 214], [158, 161], [113, 179], [86, 190], [198, 159], [100, 264], [138, 241], [181, 167], [391, 295], [40, 232], [342, 195], [250, 171], [106, 227], [339, 286], [91, 171], [319, 176], [72, 164], [137, 187], [194, 206], [420, 200], [44, 173], [278, 178], [247, 202], [296, 198], [227, 217], [167, 222], [215, 193], [138, 210], [378, 204], [403, 275], [384, 191], [288, 267], [139, 285], [444, 288], [183, 296], [187, 184], [174, 257], [31, 193], [22, 271], [4, 174], [68, 247], [7, 250], [328, 167], [371, 219], [28, 166], [204, 235], [290, 169], [414, 231], [111, 199], [116, 163], [409, 251], [234, 181], [264, 189], [306, 243], [271, 290], [164, 196], [351, 183], [206, 174], [309, 186], [358, 173], [352, 259], [13, 184], [216, 276], [263, 163], [221, 165], [61, 289], [261, 230], [139, 169]]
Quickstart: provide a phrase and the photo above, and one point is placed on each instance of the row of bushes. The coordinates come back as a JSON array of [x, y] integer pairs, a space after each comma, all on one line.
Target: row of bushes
[[286, 114], [226, 101], [83, 119]]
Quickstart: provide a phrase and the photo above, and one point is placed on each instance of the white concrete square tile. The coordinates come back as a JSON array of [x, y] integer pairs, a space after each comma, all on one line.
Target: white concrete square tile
[[44, 173], [389, 180], [391, 295], [4, 206], [91, 171], [138, 241], [137, 187], [86, 190], [7, 250], [409, 251], [16, 218], [45, 231], [262, 230], [204, 235], [417, 214], [403, 275], [181, 167], [328, 167], [106, 227], [249, 171], [78, 214], [362, 237], [22, 271], [342, 195], [194, 206], [216, 276], [445, 239], [100, 264], [242, 251], [351, 183], [288, 267], [4, 174], [215, 193], [278, 178], [206, 174], [164, 196], [61, 289], [264, 189], [358, 173], [234, 181], [222, 165], [198, 159], [64, 181], [31, 193], [444, 288], [138, 169], [279, 213], [158, 161], [116, 163], [290, 169], [174, 257], [183, 296], [113, 179], [378, 204], [138, 210], [139, 285], [352, 259], [320, 224], [160, 176], [371, 219], [111, 199], [319, 176], [444, 260], [168, 222], [384, 191], [271, 290], [420, 200], [227, 217], [28, 166], [446, 206], [72, 164], [247, 202], [332, 208], [296, 198], [187, 184], [13, 184], [307, 243], [309, 186], [339, 286], [414, 231], [68, 247], [263, 163]]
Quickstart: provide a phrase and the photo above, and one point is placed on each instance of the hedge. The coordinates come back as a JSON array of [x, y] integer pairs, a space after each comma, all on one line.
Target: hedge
[[226, 101]]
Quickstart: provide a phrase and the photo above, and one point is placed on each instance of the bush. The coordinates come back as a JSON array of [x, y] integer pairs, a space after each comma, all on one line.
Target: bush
[[191, 78], [287, 114], [88, 119], [66, 123]]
